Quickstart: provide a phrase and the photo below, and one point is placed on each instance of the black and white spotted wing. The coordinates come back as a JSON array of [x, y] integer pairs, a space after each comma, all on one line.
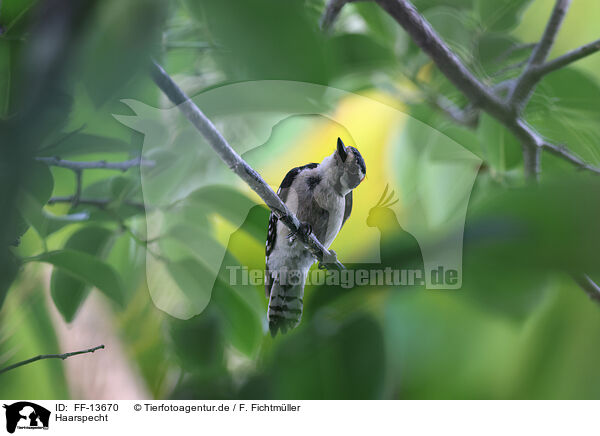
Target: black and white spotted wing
[[282, 192]]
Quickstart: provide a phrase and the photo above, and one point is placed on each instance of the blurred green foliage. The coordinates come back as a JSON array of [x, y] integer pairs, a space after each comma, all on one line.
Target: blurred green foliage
[[519, 327]]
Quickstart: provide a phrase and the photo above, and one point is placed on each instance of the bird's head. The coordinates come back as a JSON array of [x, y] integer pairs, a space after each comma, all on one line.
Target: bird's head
[[351, 165]]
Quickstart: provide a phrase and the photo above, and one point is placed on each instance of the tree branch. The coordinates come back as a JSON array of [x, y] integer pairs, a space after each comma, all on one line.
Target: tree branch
[[488, 99], [98, 202], [50, 356], [79, 166], [331, 12], [445, 59], [78, 186], [480, 95], [532, 162], [542, 49], [568, 58], [526, 83], [562, 151], [237, 164], [588, 285]]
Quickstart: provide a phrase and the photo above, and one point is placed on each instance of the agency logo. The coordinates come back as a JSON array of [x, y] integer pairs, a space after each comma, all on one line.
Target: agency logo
[[26, 415]]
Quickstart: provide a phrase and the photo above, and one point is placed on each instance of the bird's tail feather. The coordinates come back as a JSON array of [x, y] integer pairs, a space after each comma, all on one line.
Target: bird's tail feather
[[285, 306]]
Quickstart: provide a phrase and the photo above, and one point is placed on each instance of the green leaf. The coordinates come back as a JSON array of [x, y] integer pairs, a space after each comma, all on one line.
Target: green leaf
[[120, 43], [83, 143], [227, 202], [496, 52], [88, 268], [501, 149], [194, 280], [328, 360], [113, 188], [241, 321], [13, 12], [67, 291], [198, 342], [36, 192], [9, 267], [423, 5], [380, 24], [46, 223], [354, 52], [296, 53], [40, 182], [454, 26], [552, 226], [566, 109], [5, 77], [500, 15]]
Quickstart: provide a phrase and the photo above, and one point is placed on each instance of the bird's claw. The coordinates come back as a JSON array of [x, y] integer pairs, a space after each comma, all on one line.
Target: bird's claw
[[305, 229]]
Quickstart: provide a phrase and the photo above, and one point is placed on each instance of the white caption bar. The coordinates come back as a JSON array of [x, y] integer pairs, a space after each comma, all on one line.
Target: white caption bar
[[297, 417]]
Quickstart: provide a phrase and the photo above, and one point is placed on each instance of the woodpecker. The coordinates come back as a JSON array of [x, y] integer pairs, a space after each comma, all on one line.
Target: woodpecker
[[320, 195]]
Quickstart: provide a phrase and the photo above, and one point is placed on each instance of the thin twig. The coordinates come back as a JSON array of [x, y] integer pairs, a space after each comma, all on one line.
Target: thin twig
[[78, 186], [514, 48], [237, 164], [568, 58], [588, 285], [510, 67], [532, 161], [526, 83], [78, 166], [445, 59], [98, 202], [562, 151], [198, 45], [331, 12], [50, 356], [142, 242], [542, 49]]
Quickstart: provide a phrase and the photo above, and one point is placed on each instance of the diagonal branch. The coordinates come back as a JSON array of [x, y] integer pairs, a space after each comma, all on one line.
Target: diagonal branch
[[526, 82], [103, 165], [50, 356], [568, 58], [562, 151], [98, 202], [588, 285], [542, 49], [445, 59], [237, 164]]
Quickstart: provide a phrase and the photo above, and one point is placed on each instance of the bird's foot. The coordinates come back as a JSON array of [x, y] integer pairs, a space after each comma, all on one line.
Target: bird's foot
[[305, 229]]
